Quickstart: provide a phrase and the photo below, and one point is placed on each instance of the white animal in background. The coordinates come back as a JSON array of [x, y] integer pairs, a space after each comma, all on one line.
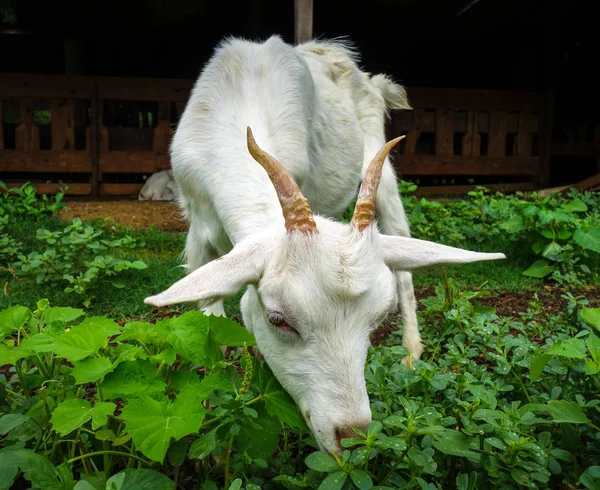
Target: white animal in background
[[316, 287], [160, 186]]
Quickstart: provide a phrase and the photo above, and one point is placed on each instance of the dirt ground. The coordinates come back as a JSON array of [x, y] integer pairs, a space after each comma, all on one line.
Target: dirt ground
[[137, 214]]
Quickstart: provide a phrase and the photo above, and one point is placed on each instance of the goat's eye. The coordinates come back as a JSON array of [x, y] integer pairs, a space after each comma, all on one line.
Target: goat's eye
[[277, 320]]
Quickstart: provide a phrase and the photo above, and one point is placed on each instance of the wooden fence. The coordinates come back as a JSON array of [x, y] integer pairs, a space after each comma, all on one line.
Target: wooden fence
[[102, 135]]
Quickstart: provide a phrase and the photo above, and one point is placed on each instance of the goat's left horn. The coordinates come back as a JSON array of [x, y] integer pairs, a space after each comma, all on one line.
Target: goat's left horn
[[364, 211], [296, 210]]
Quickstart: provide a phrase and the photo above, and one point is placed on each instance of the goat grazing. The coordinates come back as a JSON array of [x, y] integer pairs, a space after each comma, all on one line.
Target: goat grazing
[[316, 287]]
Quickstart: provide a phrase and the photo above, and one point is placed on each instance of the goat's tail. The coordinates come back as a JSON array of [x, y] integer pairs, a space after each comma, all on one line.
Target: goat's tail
[[393, 93]]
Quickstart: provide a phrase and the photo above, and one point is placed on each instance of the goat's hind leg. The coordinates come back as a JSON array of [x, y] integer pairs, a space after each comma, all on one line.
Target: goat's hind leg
[[392, 221], [198, 252]]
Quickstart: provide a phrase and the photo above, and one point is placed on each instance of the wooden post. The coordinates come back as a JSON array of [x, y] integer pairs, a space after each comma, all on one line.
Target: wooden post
[[303, 26], [547, 122], [94, 147]]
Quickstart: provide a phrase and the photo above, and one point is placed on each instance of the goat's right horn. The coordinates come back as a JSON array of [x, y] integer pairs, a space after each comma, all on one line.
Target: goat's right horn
[[364, 210], [296, 210]]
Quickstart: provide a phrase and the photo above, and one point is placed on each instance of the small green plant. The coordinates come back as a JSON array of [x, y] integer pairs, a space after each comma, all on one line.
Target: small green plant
[[76, 255], [24, 201]]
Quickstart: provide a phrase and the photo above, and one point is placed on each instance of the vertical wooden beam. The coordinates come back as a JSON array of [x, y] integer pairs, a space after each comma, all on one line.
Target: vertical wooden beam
[[94, 146], [27, 134], [303, 23], [162, 133], [552, 42], [414, 133], [497, 134], [444, 132], [62, 124]]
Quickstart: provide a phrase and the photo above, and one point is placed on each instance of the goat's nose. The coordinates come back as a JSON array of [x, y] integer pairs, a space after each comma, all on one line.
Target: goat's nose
[[347, 431]]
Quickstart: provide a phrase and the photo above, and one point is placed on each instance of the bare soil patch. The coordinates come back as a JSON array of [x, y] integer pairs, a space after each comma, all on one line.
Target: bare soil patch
[[136, 214]]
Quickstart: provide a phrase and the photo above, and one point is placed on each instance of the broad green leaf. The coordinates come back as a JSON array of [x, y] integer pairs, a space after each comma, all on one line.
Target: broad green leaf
[[36, 469], [279, 404], [39, 343], [588, 238], [552, 250], [590, 367], [361, 479], [538, 363], [177, 452], [212, 383], [179, 379], [335, 481], [513, 225], [189, 335], [454, 443], [320, 461], [230, 333], [10, 354], [259, 437], [132, 378], [576, 205], [591, 316], [593, 344], [152, 424], [83, 340], [11, 420], [168, 356], [60, 314], [139, 479], [571, 348], [84, 485], [565, 412], [203, 446], [100, 413], [13, 318], [70, 414], [110, 326], [540, 268], [92, 369], [145, 332]]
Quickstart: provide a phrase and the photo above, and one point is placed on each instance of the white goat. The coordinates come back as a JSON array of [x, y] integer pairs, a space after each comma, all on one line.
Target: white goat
[[160, 186], [316, 287]]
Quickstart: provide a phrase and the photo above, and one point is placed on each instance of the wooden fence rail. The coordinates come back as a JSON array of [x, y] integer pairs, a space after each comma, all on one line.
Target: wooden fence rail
[[102, 135]]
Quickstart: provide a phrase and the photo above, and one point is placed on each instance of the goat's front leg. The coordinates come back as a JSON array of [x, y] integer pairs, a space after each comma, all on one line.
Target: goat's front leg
[[391, 220]]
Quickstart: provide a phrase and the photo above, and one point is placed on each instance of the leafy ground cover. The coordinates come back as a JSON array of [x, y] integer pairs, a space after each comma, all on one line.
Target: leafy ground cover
[[99, 391]]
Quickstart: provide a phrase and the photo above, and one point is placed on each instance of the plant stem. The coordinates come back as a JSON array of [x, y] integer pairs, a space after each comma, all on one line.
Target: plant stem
[[115, 453], [254, 400], [521, 384], [393, 468], [21, 379], [227, 461]]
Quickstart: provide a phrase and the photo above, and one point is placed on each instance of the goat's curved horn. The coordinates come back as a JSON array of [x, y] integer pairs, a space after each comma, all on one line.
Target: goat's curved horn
[[296, 211], [364, 211]]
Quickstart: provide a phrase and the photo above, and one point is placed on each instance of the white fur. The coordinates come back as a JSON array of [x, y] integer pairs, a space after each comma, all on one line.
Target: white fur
[[323, 119], [160, 186]]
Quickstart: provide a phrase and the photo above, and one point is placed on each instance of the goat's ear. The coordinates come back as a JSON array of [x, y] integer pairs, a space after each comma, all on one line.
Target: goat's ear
[[407, 254], [218, 279]]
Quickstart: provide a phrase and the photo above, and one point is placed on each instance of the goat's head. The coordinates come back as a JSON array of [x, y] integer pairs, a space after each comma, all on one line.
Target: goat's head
[[319, 288]]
